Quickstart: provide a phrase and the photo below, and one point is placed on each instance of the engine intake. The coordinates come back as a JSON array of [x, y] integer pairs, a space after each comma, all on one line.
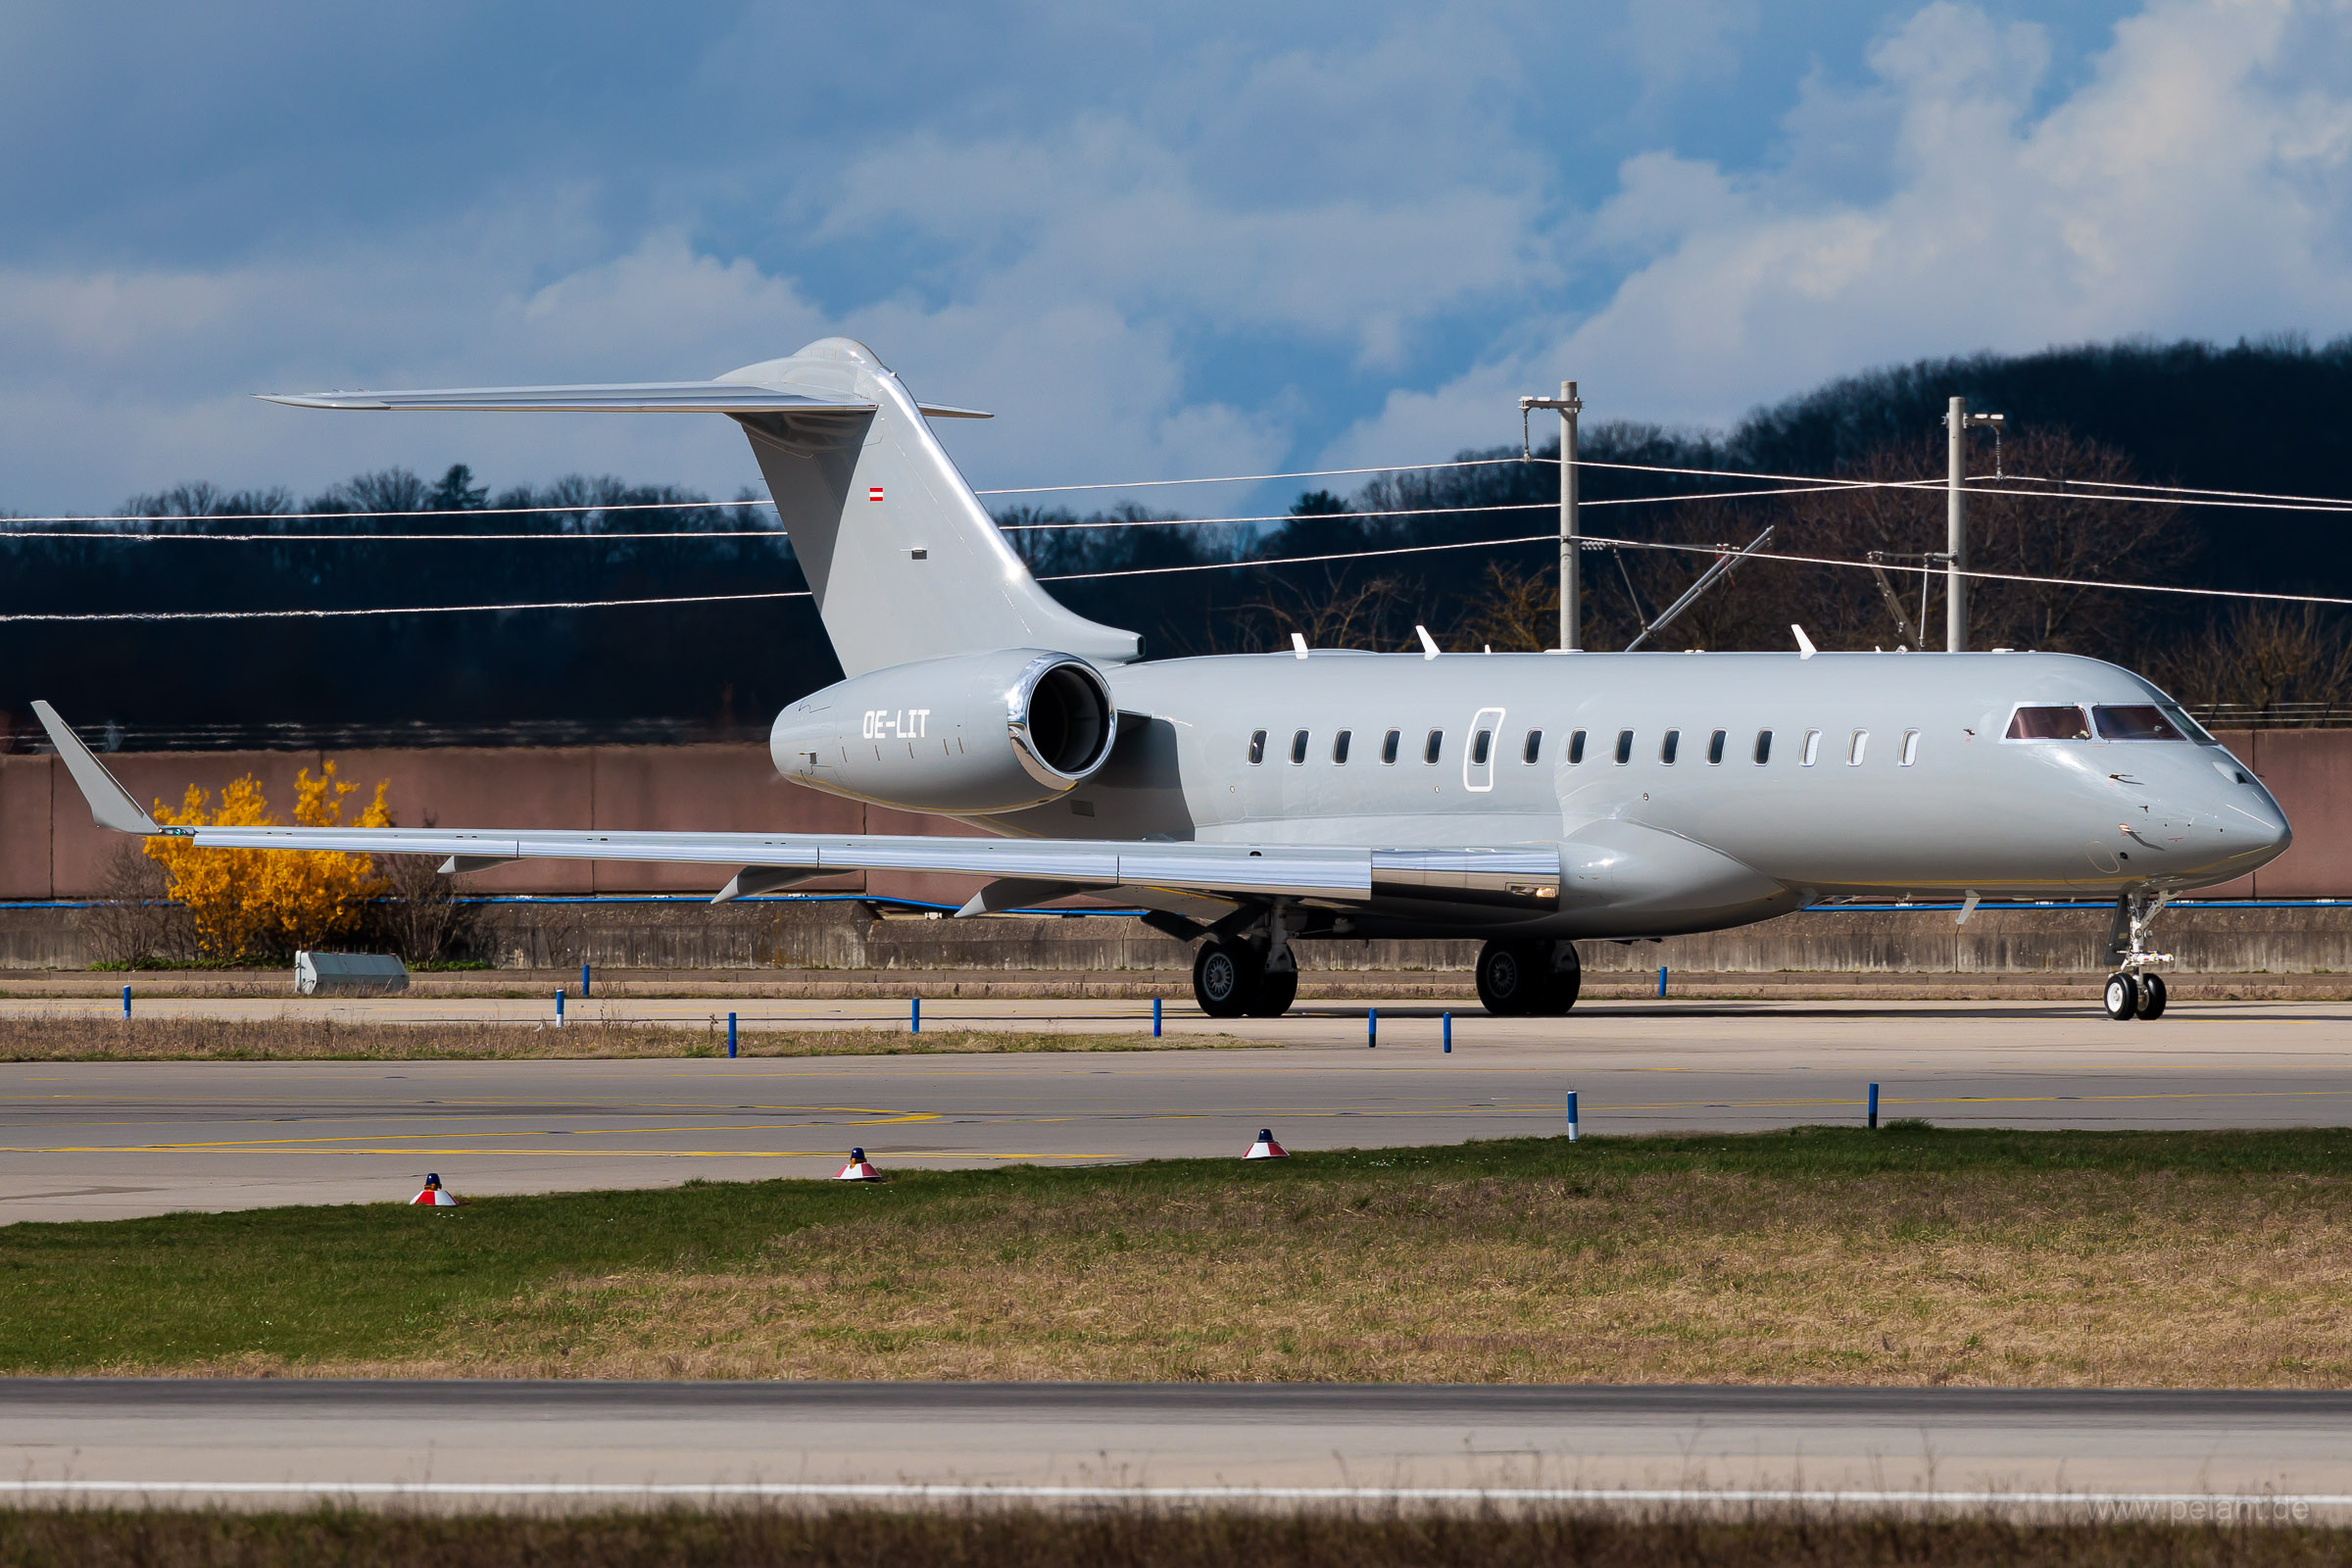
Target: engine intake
[[976, 732]]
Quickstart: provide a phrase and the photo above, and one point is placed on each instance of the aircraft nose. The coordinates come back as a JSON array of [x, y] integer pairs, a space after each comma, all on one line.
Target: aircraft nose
[[2253, 826]]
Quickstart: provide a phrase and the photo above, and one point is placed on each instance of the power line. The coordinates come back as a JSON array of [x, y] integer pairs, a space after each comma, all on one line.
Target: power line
[[118, 537], [1591, 541], [403, 609], [402, 511], [1252, 478], [1784, 484]]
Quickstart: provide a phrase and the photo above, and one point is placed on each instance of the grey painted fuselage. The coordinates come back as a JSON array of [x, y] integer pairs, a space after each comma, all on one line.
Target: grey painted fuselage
[[1964, 811]]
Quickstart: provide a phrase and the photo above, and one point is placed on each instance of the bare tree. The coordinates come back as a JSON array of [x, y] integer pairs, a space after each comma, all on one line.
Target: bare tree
[[1338, 610], [134, 923], [419, 915], [2276, 662]]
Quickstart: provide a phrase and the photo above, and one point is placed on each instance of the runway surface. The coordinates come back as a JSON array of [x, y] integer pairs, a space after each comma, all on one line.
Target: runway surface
[[111, 1139], [293, 1433]]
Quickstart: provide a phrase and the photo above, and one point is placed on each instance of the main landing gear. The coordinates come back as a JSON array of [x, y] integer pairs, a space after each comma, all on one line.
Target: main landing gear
[[1529, 979], [2131, 992], [1249, 974], [1232, 980]]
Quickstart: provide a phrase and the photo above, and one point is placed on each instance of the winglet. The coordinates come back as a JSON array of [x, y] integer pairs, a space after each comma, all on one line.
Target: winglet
[[111, 804]]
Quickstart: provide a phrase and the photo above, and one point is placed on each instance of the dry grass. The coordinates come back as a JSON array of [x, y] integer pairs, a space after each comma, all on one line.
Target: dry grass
[[80, 1037], [2072, 1277], [1133, 1537], [1818, 1255]]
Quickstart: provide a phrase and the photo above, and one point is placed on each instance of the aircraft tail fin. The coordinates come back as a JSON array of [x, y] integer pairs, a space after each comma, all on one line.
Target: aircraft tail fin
[[904, 561]]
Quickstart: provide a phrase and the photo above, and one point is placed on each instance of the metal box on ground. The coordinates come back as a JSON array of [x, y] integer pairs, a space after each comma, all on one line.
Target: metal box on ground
[[349, 973]]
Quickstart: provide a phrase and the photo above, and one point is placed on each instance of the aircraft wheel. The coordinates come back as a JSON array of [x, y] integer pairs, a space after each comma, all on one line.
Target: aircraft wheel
[[1562, 982], [1511, 977], [1225, 978], [2151, 995], [1277, 988], [2121, 997]]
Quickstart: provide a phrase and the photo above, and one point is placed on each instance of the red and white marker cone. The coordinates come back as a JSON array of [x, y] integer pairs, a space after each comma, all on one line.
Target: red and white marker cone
[[434, 1196], [858, 1169], [1266, 1148]]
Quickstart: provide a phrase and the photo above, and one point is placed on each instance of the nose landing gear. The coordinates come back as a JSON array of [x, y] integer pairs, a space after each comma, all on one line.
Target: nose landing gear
[[2131, 992]]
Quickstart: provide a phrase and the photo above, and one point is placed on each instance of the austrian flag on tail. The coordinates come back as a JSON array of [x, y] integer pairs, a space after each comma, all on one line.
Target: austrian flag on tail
[[873, 493]]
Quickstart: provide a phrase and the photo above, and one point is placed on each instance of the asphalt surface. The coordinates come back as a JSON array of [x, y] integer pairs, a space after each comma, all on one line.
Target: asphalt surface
[[111, 1139], [195, 1435]]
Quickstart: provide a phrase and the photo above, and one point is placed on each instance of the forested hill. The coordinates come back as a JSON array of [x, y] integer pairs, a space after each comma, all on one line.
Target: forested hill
[[2268, 416], [2272, 416]]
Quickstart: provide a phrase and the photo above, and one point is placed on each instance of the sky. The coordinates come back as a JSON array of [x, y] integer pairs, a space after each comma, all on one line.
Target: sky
[[1155, 241]]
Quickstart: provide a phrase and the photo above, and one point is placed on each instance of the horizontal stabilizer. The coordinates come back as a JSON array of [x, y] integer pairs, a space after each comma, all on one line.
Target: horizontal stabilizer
[[620, 397]]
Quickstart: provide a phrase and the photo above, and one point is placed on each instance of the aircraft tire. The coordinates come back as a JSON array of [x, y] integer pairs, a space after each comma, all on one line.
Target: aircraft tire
[[1277, 988], [1511, 977], [2151, 995], [1562, 983], [1225, 978], [2121, 997]]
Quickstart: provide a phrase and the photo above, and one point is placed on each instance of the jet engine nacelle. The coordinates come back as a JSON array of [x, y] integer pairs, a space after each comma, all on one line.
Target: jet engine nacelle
[[976, 732]]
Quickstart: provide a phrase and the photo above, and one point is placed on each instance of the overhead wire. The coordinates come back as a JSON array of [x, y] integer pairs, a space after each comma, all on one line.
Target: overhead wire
[[1781, 484], [1803, 483], [1590, 542]]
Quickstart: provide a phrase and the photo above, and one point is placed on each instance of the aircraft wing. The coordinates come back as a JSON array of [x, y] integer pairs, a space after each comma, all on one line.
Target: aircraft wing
[[1335, 872], [1268, 869], [619, 397]]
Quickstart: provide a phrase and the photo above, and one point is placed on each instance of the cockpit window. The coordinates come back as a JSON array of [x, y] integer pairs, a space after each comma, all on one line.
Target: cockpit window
[[2135, 721], [2185, 724], [2049, 724]]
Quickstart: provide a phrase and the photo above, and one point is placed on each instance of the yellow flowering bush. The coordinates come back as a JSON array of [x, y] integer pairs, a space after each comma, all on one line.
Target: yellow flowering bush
[[247, 903]]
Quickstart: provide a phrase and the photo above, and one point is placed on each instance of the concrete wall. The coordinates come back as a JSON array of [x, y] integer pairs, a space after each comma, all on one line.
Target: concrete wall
[[843, 936], [49, 849]]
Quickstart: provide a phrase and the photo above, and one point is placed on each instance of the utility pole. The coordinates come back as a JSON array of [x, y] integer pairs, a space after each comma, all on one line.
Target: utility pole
[[1957, 421], [1571, 581]]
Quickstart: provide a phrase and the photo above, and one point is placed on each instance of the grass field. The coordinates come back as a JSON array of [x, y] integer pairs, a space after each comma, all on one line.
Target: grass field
[[80, 1037], [1021, 1539], [1824, 1255]]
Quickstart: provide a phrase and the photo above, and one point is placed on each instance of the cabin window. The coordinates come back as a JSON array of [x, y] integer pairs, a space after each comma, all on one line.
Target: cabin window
[[2048, 723], [1672, 744], [1533, 748], [1812, 749], [1910, 752], [1855, 747], [1257, 748], [1715, 748], [1388, 745], [1436, 743], [1624, 747], [1339, 747], [1763, 746], [1479, 745], [2139, 721], [1299, 747], [1576, 747]]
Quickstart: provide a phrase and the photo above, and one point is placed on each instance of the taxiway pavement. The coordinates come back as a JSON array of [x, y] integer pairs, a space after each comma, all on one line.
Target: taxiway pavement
[[101, 1140], [209, 1439]]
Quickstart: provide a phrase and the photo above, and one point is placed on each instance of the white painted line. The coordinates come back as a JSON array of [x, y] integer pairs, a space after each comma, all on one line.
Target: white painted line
[[2210, 1504]]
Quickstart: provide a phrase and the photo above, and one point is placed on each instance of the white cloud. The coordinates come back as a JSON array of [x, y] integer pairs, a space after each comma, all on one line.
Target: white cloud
[[2194, 184], [144, 377]]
